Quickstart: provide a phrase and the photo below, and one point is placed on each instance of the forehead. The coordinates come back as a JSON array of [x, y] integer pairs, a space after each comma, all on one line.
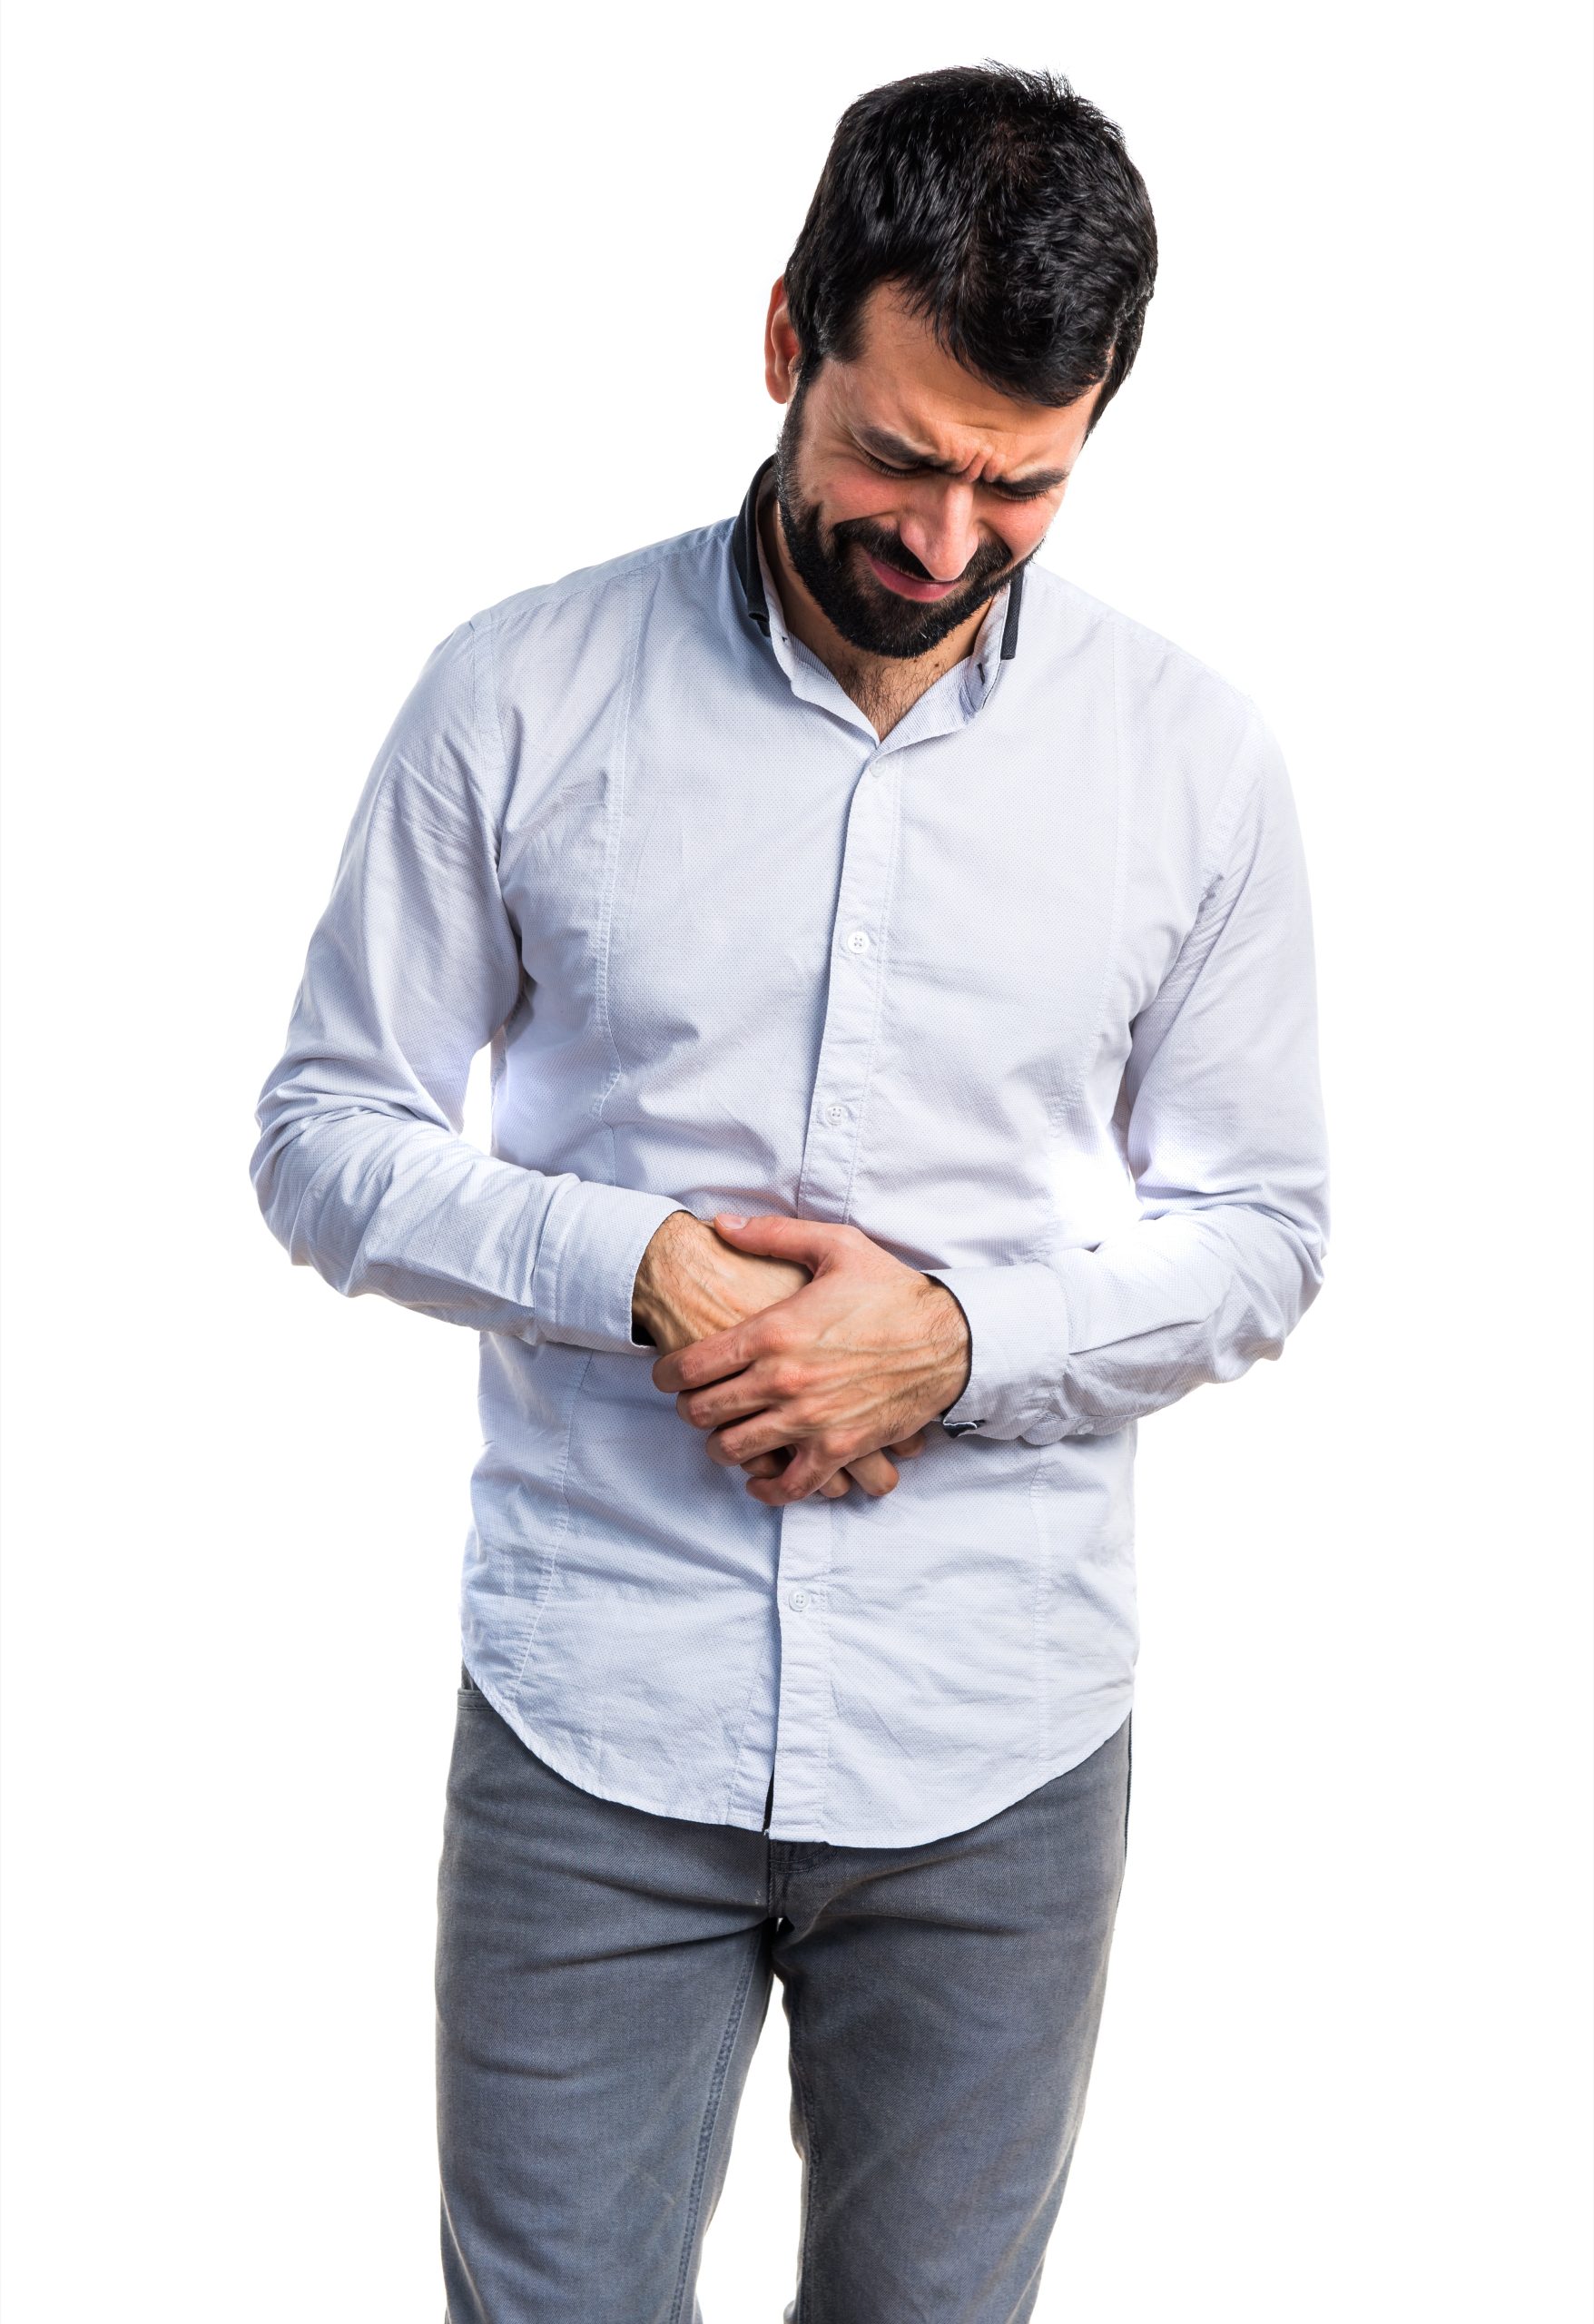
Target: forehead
[[903, 382]]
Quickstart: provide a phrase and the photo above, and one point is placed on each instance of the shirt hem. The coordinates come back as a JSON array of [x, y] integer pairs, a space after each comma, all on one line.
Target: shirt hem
[[563, 1764]]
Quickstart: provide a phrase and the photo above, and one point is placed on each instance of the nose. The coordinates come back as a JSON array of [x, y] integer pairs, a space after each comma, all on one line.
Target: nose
[[940, 529]]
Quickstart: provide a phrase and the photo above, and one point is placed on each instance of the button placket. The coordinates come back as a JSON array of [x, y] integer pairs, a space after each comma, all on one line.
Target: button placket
[[838, 1103], [839, 1099], [851, 1001], [801, 1730]]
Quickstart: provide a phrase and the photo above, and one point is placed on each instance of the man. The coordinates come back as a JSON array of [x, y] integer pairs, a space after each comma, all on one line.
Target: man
[[897, 968]]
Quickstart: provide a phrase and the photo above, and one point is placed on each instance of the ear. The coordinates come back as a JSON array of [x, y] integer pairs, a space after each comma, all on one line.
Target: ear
[[780, 350]]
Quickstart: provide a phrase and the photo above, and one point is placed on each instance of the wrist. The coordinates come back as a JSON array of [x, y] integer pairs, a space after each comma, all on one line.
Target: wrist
[[650, 1306], [952, 1330]]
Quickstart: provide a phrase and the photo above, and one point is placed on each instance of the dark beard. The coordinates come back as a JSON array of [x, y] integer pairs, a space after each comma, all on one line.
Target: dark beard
[[863, 611]]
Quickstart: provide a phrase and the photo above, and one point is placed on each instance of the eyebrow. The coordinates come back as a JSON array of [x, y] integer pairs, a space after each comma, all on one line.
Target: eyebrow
[[887, 446]]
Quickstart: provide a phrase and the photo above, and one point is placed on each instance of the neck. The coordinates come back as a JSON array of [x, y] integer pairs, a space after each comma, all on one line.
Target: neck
[[884, 686]]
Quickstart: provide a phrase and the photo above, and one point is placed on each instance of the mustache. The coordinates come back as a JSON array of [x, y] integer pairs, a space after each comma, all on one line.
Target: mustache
[[890, 551]]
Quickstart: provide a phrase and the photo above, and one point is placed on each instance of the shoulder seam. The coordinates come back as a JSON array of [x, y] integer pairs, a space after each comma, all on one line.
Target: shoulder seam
[[1224, 815], [483, 641], [617, 572], [1133, 628]]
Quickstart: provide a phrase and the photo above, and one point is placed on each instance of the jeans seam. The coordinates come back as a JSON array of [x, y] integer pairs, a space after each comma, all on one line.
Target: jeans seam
[[805, 2272], [705, 2139], [1128, 1777]]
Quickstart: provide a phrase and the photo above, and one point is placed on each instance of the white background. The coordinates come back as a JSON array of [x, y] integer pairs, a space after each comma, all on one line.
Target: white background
[[332, 325]]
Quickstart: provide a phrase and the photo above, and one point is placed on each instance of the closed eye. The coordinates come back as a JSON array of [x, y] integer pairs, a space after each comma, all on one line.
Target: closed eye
[[1003, 491]]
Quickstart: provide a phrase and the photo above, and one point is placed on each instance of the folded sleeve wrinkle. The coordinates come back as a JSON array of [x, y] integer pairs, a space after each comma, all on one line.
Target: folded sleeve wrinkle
[[1222, 1119], [361, 1170]]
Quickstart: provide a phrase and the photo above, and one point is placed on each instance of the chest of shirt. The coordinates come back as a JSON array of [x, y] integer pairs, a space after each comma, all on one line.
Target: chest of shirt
[[712, 871]]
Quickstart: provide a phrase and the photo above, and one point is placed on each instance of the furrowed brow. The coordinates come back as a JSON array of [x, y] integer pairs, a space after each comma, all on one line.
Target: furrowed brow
[[887, 446]]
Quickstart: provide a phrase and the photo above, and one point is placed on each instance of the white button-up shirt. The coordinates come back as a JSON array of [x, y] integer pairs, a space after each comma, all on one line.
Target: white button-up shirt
[[1025, 991]]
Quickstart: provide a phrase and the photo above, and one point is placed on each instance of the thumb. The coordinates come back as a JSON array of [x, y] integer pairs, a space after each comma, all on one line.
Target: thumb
[[811, 1241]]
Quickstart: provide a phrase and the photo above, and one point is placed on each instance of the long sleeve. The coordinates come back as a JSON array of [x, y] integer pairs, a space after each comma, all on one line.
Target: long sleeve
[[1224, 1131], [361, 1171]]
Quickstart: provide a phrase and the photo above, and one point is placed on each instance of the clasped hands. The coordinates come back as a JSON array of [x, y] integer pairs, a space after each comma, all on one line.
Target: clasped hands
[[810, 1354]]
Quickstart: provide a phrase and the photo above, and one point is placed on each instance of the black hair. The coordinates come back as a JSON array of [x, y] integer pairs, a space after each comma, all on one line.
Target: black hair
[[1007, 211]]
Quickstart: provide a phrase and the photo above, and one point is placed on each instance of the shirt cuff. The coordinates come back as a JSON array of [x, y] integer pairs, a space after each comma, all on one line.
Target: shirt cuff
[[593, 1239], [1019, 1334]]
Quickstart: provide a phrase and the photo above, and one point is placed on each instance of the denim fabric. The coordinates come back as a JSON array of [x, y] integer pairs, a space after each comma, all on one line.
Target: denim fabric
[[602, 1975]]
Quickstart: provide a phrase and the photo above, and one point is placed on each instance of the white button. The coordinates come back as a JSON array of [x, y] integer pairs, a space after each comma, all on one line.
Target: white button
[[835, 1113], [797, 1600], [858, 941]]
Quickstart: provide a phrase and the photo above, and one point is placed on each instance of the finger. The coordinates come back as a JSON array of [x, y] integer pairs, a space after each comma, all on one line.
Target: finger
[[806, 1474], [814, 1243], [718, 1355], [718, 1406], [875, 1473], [877, 1480], [770, 1464], [766, 1430], [765, 1464]]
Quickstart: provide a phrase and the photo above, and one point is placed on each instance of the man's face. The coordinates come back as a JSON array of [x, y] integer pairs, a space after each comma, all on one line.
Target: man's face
[[910, 492]]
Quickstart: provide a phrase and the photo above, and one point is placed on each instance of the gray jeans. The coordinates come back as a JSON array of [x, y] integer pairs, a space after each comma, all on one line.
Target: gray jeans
[[603, 1976]]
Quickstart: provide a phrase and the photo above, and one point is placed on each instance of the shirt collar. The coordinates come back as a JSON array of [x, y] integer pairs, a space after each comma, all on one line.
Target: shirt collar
[[748, 564]]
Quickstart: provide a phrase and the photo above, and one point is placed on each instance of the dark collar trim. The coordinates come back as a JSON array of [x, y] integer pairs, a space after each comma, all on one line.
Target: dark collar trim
[[745, 556], [745, 550], [1010, 626]]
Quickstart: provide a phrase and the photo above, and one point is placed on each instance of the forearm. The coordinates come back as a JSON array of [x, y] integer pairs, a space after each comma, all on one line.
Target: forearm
[[410, 1210], [1085, 1343], [361, 1169], [1225, 1138]]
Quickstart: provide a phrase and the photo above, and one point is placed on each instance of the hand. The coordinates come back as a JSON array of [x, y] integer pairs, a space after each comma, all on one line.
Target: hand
[[690, 1283], [867, 1351]]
